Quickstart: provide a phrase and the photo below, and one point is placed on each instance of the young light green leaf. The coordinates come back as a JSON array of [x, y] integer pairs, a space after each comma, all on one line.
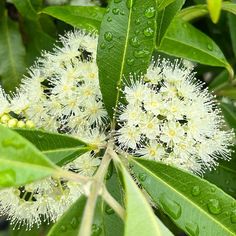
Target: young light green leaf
[[59, 148], [12, 53], [181, 195], [214, 8], [69, 223], [88, 18], [20, 161], [165, 17], [184, 40], [125, 45], [140, 219]]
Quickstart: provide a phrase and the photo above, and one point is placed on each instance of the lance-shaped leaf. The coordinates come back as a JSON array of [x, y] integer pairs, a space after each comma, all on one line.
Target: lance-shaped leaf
[[69, 222], [195, 205], [229, 113], [214, 8], [140, 219], [59, 148], [184, 40], [164, 18], [12, 53], [125, 46], [20, 161], [88, 18]]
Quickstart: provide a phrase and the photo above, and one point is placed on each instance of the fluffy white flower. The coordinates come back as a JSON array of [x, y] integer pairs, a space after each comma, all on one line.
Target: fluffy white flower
[[169, 117], [4, 103]]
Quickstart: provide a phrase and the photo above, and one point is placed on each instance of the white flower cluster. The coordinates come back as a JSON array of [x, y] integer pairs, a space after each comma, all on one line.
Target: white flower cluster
[[60, 94], [169, 117]]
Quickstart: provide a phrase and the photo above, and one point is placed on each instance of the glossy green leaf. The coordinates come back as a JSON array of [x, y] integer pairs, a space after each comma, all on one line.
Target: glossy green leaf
[[140, 219], [20, 161], [12, 53], [224, 176], [60, 149], [185, 41], [220, 81], [126, 43], [113, 225], [161, 4], [195, 205], [69, 223], [193, 12], [214, 8], [88, 18], [232, 27], [229, 113], [165, 17]]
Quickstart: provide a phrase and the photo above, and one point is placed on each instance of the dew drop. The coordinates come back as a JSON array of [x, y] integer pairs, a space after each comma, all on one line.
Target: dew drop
[[122, 13], [73, 223], [96, 230], [109, 19], [115, 11], [109, 210], [108, 10], [137, 32], [192, 229], [130, 61], [209, 47], [142, 177], [41, 136], [148, 32], [63, 228], [12, 143], [103, 45], [141, 53], [135, 42], [129, 4], [137, 21], [214, 206], [213, 189], [108, 36], [195, 190], [150, 12], [171, 207], [233, 216]]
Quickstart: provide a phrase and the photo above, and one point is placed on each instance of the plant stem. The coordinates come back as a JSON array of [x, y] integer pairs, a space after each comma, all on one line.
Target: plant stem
[[87, 220], [113, 203]]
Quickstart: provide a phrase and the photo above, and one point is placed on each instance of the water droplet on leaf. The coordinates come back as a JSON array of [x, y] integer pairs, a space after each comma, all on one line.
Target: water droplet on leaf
[[214, 206], [233, 216], [150, 12], [108, 36], [210, 47], [109, 19], [192, 229], [73, 223], [63, 228], [141, 53], [130, 61], [142, 177], [148, 32], [115, 11], [171, 207], [103, 45], [96, 230], [109, 210], [135, 42]]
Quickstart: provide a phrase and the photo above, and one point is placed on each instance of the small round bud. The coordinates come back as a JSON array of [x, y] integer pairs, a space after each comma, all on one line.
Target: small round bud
[[20, 124], [12, 123], [30, 124], [5, 118]]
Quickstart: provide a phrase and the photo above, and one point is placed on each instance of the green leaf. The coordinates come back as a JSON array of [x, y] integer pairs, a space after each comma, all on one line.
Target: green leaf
[[161, 4], [184, 40], [224, 176], [140, 219], [165, 17], [20, 161], [229, 92], [69, 223], [214, 8], [232, 27], [220, 81], [88, 18], [229, 113], [12, 53], [60, 149], [125, 45], [195, 205], [230, 7], [113, 225]]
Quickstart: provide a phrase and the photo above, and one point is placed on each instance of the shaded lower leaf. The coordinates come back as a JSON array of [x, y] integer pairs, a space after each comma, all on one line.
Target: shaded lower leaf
[[88, 18], [20, 161], [195, 205], [12, 53], [229, 113], [59, 148], [140, 219], [69, 223]]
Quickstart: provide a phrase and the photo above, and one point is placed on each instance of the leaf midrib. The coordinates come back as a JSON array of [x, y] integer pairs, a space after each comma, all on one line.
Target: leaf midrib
[[74, 149], [183, 196], [123, 61]]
